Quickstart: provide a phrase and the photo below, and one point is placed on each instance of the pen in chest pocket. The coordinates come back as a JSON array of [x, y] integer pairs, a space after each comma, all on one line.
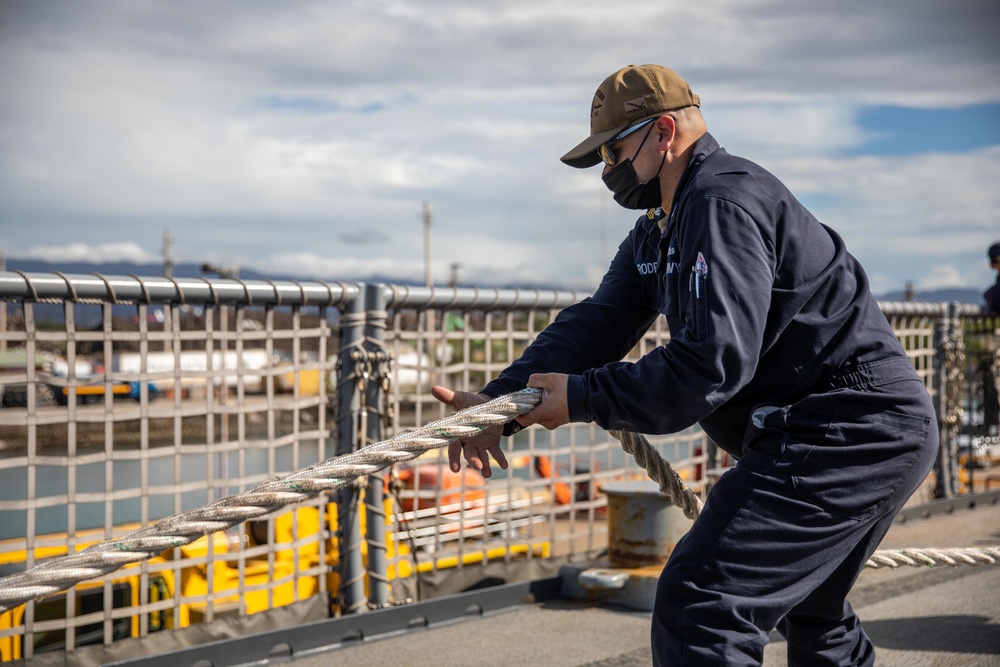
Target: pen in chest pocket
[[699, 272]]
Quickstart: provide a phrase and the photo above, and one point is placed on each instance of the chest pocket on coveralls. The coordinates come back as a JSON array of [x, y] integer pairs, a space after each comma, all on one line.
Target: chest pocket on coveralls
[[697, 299], [684, 300]]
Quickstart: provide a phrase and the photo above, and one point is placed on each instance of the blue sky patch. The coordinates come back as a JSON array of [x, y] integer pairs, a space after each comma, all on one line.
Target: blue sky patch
[[908, 131], [304, 105], [315, 107]]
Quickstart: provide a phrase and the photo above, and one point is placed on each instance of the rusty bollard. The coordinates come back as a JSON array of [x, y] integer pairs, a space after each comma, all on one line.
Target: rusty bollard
[[643, 525]]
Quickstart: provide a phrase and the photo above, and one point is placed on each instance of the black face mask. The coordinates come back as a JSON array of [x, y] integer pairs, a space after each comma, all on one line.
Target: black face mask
[[628, 191]]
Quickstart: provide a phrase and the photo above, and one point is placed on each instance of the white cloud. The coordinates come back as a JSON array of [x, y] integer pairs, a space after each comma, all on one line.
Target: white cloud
[[125, 251], [942, 275], [905, 217], [122, 119]]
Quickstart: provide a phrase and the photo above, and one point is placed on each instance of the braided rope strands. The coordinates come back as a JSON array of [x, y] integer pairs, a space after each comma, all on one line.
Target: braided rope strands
[[673, 487], [671, 484], [105, 557], [918, 557]]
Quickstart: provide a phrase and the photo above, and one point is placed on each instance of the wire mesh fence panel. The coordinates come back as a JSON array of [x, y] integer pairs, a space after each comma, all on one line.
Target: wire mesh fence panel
[[121, 414], [547, 505], [978, 442], [127, 400]]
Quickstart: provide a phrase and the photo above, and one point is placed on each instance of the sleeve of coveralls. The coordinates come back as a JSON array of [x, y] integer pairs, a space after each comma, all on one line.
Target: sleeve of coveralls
[[725, 271], [598, 329]]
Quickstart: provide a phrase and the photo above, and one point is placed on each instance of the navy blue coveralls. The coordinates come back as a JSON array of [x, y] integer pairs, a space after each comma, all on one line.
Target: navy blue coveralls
[[778, 349]]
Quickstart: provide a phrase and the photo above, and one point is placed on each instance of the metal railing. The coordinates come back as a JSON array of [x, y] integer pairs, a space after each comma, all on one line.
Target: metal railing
[[128, 399]]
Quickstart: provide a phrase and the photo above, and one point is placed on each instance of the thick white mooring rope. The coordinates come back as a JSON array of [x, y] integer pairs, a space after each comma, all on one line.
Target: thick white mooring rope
[[932, 556], [673, 487], [671, 484], [105, 557]]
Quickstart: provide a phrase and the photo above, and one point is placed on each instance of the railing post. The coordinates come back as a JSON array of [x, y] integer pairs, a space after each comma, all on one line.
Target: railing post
[[351, 361], [947, 388], [375, 321]]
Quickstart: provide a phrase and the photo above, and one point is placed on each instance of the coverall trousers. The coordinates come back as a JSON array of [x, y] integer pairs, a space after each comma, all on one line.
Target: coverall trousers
[[784, 534]]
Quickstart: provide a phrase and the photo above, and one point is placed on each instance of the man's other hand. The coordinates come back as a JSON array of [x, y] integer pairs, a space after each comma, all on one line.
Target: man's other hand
[[478, 448]]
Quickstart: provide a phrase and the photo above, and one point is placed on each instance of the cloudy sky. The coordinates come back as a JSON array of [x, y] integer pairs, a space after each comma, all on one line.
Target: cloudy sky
[[303, 137]]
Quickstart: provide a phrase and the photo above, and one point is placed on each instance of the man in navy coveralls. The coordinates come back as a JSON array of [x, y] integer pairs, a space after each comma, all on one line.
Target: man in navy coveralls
[[777, 348], [992, 295]]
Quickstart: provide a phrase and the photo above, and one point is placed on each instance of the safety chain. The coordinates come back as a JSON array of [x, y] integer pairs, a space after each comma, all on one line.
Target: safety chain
[[364, 366], [388, 412], [375, 363], [954, 369], [395, 486]]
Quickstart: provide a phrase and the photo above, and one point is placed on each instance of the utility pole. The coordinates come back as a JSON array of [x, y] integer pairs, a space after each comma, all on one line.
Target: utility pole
[[168, 260], [430, 321], [168, 271], [428, 273], [3, 307]]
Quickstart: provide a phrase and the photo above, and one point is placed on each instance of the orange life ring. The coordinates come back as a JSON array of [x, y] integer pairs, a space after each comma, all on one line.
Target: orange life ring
[[543, 466], [424, 479]]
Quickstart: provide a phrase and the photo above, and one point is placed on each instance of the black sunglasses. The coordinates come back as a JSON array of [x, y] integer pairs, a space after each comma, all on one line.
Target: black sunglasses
[[604, 150]]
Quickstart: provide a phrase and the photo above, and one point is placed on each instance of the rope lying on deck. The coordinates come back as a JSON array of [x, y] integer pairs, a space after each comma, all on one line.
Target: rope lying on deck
[[673, 487], [917, 557], [105, 557]]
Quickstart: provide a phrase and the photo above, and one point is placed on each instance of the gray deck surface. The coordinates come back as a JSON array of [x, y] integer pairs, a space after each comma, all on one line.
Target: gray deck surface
[[917, 617]]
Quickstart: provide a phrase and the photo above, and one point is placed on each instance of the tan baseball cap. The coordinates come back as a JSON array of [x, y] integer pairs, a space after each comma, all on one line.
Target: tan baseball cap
[[626, 97]]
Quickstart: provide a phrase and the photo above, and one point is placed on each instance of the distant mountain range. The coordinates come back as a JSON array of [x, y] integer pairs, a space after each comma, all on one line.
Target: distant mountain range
[[960, 294], [133, 268]]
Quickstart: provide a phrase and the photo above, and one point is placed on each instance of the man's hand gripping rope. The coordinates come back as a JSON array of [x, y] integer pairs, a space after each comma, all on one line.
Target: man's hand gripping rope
[[551, 412]]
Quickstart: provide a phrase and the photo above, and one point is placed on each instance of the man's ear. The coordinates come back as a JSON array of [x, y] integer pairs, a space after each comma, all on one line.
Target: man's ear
[[666, 129]]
